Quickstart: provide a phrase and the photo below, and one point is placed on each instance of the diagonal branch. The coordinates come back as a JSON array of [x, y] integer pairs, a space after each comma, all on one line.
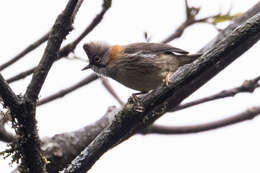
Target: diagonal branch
[[70, 47], [170, 130], [9, 97], [62, 148], [25, 51], [66, 91], [111, 90], [247, 86], [34, 45], [21, 75], [184, 82], [60, 29], [27, 146], [191, 14]]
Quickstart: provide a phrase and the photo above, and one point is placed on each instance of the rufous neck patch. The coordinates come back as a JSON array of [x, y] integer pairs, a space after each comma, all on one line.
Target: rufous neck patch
[[115, 52]]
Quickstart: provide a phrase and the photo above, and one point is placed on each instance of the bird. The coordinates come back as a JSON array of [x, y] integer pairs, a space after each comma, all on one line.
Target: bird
[[139, 66]]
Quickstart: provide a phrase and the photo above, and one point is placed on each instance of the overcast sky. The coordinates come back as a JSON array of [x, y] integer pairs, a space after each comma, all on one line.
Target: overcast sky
[[230, 149]]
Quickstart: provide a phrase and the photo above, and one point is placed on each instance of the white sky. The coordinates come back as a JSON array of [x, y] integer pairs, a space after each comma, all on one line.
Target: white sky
[[231, 149]]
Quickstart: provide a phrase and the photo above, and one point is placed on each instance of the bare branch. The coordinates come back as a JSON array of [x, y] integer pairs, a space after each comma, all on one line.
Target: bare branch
[[21, 75], [61, 149], [238, 21], [111, 90], [60, 29], [25, 51], [70, 47], [247, 86], [185, 82], [9, 97], [191, 13], [68, 90], [27, 146], [170, 130], [77, 9]]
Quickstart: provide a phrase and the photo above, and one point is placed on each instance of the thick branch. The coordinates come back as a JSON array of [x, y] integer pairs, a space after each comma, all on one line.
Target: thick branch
[[27, 147], [62, 148], [246, 115], [8, 96], [68, 90], [59, 31], [185, 82]]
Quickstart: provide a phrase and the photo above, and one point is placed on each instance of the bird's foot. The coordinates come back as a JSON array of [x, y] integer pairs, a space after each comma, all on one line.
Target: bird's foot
[[138, 105], [166, 79]]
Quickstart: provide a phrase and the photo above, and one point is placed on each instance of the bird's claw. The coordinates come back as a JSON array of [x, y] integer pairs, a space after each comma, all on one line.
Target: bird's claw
[[138, 105]]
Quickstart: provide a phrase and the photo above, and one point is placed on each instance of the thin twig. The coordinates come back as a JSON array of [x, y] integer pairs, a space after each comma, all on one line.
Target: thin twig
[[170, 130], [20, 75], [77, 8], [191, 13], [25, 51], [71, 46], [111, 90], [68, 90], [247, 86], [235, 23]]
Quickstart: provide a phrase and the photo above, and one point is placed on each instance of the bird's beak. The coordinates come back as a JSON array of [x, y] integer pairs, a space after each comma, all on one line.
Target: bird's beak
[[85, 68]]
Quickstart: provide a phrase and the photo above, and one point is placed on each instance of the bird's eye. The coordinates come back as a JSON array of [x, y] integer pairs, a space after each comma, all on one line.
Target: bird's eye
[[97, 59]]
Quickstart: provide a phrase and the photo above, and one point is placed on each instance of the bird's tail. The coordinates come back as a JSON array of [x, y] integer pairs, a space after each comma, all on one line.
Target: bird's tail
[[187, 59]]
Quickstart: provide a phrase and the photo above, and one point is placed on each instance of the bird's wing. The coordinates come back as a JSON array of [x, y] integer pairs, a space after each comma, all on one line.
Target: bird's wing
[[152, 48]]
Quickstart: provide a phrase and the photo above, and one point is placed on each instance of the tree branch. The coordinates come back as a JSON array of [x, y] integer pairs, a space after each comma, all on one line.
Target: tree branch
[[111, 90], [60, 29], [21, 75], [9, 97], [170, 130], [62, 148], [191, 14], [184, 82], [247, 86], [66, 91], [70, 47], [25, 51], [27, 146], [236, 22]]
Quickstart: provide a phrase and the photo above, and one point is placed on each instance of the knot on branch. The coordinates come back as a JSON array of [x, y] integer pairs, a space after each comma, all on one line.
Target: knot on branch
[[107, 4], [249, 85]]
